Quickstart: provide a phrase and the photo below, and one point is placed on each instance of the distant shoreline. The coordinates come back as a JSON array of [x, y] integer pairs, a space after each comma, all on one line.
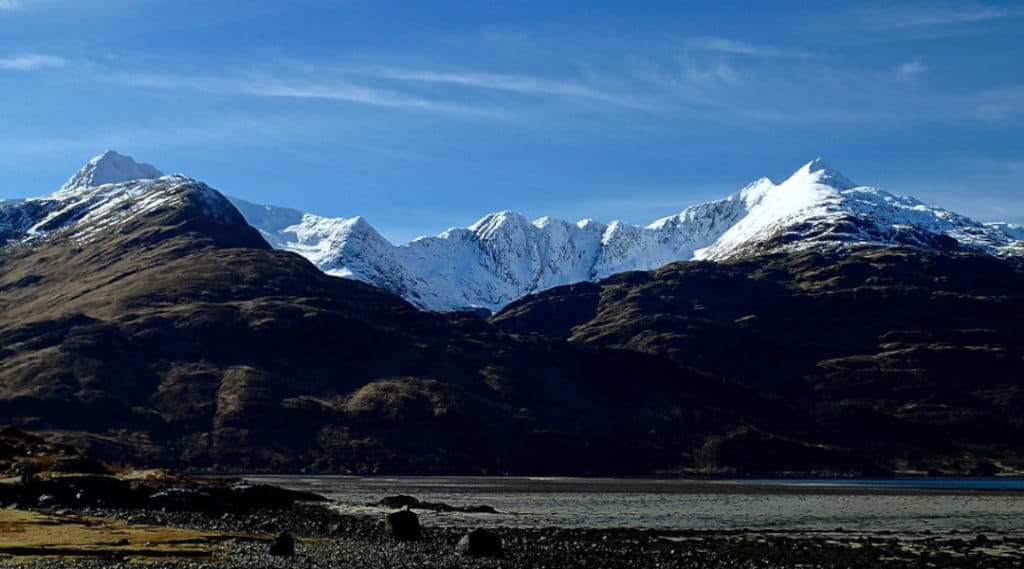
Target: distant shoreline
[[1004, 485]]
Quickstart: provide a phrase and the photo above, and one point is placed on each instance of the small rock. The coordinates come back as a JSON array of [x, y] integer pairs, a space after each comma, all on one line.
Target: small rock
[[981, 540], [403, 525], [46, 500], [336, 529], [480, 543], [283, 545]]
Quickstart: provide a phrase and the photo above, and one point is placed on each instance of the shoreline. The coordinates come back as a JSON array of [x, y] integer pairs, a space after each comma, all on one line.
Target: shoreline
[[60, 508], [723, 486], [327, 539]]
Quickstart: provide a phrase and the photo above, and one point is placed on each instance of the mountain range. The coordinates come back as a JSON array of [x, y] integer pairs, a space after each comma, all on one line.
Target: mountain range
[[813, 326], [148, 321], [504, 256]]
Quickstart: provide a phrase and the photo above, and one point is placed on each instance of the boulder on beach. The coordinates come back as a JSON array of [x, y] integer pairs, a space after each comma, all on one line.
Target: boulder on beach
[[480, 543], [283, 545], [403, 525]]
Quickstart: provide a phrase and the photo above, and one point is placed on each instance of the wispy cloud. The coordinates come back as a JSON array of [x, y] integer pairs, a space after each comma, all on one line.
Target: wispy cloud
[[911, 68], [988, 163], [998, 105], [10, 5], [235, 130], [930, 15], [717, 44], [30, 61], [758, 96], [352, 93], [467, 93], [717, 72], [300, 88], [522, 84]]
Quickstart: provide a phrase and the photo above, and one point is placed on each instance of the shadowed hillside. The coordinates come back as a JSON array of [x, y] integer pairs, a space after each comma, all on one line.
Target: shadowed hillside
[[177, 336], [910, 357]]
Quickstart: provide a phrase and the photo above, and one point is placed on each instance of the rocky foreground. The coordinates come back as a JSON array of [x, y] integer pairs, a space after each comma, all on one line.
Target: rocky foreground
[[313, 536], [61, 508]]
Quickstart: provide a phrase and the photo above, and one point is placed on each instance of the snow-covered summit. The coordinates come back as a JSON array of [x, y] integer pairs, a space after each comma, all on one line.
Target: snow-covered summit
[[504, 256], [818, 171], [109, 168], [108, 192]]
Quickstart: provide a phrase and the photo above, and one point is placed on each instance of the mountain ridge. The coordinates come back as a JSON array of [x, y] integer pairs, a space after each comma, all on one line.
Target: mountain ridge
[[175, 335], [504, 256], [151, 320]]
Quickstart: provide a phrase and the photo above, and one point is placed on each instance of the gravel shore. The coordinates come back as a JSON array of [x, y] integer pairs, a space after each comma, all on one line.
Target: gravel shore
[[328, 539]]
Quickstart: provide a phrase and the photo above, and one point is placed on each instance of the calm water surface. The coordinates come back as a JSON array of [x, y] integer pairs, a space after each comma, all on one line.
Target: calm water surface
[[875, 505]]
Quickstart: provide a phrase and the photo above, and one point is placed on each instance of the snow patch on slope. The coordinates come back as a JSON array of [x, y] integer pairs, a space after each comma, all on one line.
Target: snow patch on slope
[[1014, 230]]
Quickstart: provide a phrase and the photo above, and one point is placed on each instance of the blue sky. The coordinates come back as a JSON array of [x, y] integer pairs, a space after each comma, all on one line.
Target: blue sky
[[425, 115]]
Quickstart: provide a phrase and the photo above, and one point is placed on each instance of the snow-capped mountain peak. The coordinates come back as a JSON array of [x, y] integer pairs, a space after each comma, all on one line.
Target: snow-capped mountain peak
[[818, 171], [495, 225], [108, 193], [110, 168], [504, 256]]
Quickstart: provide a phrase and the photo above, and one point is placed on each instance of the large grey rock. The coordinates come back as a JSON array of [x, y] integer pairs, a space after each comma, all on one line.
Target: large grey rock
[[283, 545], [480, 543], [403, 525]]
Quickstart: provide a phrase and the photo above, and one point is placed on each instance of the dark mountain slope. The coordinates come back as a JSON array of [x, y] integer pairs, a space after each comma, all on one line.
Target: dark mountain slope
[[910, 357], [174, 335]]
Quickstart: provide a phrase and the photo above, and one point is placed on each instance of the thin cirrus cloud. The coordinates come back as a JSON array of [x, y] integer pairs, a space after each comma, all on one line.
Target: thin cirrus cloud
[[351, 93], [394, 87], [30, 61], [911, 68], [729, 46], [339, 91], [928, 16], [521, 84]]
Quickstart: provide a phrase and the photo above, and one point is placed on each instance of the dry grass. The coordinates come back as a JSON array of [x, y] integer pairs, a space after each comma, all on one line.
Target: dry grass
[[26, 534]]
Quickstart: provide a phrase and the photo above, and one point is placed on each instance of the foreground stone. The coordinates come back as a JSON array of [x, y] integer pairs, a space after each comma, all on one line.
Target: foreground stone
[[480, 543], [403, 525], [283, 545]]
